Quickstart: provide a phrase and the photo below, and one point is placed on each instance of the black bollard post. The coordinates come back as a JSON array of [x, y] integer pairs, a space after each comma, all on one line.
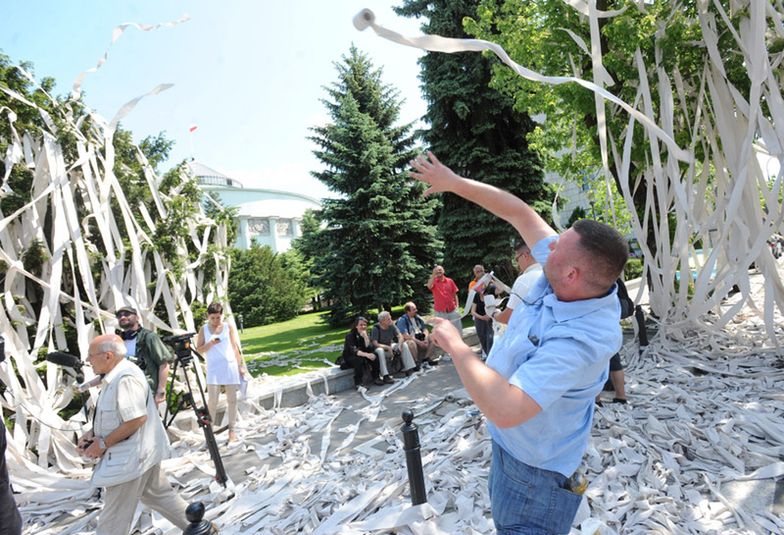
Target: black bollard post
[[198, 526], [642, 332], [416, 477]]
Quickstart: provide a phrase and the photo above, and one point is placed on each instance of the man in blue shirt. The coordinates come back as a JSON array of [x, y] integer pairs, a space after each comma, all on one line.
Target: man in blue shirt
[[538, 386]]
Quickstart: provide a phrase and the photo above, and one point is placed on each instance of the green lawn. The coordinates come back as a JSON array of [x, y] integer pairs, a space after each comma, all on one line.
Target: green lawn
[[292, 346]]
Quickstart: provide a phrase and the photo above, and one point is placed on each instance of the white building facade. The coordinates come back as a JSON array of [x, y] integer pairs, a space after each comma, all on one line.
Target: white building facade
[[266, 216]]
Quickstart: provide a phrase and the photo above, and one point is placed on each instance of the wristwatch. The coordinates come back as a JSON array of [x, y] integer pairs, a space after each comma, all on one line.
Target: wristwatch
[[101, 443]]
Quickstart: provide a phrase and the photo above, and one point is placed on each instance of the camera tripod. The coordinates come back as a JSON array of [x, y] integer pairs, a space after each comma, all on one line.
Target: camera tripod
[[184, 354]]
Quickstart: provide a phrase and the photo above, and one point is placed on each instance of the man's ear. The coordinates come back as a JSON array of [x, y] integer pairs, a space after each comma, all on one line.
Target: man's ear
[[574, 274]]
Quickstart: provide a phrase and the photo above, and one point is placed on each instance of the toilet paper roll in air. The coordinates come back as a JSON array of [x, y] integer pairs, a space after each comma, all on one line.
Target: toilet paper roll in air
[[363, 19]]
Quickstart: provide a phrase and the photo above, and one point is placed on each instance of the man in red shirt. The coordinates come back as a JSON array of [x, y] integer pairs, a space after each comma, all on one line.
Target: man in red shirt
[[444, 297]]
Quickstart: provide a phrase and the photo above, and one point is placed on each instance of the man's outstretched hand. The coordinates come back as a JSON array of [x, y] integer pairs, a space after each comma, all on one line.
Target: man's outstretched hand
[[446, 336], [432, 172]]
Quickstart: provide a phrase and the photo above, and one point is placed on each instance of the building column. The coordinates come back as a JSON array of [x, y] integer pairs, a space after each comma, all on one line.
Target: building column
[[295, 230], [242, 236], [273, 223]]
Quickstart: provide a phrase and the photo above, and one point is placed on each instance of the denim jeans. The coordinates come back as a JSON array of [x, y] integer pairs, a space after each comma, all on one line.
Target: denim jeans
[[529, 500]]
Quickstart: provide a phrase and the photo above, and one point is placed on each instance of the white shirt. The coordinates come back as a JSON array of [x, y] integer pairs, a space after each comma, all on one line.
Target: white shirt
[[523, 284]]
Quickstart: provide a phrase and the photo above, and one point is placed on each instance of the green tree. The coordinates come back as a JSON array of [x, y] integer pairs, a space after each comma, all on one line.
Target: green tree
[[536, 35], [266, 287], [475, 130], [377, 241]]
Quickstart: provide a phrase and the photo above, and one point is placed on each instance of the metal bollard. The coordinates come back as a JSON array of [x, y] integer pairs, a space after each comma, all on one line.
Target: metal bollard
[[416, 477], [642, 332], [198, 526]]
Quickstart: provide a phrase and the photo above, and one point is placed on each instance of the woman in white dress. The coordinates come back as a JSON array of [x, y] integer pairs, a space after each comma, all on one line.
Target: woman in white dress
[[217, 341]]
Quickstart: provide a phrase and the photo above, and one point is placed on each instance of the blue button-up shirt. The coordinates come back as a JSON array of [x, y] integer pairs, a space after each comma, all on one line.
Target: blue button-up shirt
[[558, 353]]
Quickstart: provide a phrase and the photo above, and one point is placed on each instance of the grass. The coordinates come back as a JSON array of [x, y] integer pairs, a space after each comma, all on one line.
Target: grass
[[292, 346]]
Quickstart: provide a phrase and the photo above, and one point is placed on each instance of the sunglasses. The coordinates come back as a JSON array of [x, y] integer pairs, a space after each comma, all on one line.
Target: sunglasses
[[123, 314]]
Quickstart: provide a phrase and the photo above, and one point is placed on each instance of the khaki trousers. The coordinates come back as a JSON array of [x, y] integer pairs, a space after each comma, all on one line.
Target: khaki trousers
[[153, 490]]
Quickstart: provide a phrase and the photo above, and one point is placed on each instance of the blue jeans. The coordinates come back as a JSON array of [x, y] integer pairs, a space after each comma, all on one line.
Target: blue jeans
[[529, 500]]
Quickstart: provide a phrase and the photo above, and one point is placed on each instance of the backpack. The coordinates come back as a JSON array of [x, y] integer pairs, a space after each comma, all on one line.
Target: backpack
[[627, 305]]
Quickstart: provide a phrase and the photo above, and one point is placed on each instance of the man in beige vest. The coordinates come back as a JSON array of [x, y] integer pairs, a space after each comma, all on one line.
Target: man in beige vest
[[130, 442]]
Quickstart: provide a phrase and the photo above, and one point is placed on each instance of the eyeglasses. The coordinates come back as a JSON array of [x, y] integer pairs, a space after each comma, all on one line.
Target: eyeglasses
[[91, 355], [123, 313], [521, 253]]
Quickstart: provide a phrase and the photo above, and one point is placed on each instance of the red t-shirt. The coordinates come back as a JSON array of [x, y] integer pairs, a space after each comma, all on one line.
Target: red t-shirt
[[444, 295]]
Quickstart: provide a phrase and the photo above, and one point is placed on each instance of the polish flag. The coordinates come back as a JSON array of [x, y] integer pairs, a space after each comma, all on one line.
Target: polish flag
[[192, 128]]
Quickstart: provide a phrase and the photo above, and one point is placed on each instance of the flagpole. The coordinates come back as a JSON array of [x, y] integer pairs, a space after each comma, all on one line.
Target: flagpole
[[191, 129]]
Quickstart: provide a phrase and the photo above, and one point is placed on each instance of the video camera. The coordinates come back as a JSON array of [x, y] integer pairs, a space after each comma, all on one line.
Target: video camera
[[182, 346]]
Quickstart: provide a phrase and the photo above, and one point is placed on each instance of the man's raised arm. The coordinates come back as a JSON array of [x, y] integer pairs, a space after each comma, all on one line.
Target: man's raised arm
[[501, 203]]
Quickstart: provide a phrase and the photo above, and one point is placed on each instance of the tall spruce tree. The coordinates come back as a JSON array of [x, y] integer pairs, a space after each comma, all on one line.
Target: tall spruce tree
[[378, 240], [475, 131]]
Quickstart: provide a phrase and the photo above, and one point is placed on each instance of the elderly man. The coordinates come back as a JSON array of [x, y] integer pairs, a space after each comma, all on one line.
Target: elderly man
[[413, 329], [145, 348], [538, 386], [389, 343], [129, 440], [444, 292], [530, 271]]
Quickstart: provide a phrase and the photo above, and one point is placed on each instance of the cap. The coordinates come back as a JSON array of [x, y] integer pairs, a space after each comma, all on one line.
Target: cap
[[128, 309]]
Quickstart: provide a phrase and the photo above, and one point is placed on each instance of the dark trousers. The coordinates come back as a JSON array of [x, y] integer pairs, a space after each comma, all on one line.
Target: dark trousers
[[10, 521], [360, 364], [484, 330]]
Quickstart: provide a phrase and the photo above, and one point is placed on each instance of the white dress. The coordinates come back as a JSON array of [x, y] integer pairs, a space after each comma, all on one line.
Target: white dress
[[222, 368]]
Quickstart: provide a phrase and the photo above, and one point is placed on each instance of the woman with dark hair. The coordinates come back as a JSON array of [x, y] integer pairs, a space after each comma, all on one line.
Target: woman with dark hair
[[217, 341], [358, 354]]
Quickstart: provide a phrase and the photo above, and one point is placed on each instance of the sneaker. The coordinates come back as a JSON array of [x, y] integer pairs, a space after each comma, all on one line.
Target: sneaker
[[388, 379], [426, 365], [377, 381], [434, 362]]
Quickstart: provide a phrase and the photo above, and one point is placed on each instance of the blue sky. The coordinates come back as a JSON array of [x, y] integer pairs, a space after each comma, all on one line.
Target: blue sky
[[249, 73]]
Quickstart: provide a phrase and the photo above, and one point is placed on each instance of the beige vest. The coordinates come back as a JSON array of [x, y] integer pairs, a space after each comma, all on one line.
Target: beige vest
[[130, 458]]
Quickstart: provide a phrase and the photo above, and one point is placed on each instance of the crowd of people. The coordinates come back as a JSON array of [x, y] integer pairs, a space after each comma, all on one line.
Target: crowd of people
[[536, 384]]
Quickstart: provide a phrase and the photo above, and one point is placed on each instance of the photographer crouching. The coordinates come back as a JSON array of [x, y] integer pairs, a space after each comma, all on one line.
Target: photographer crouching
[[129, 440]]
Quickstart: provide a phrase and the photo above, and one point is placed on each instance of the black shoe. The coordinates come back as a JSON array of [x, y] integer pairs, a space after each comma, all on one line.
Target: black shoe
[[409, 372], [388, 380], [620, 400], [434, 362], [416, 368], [377, 381], [599, 403]]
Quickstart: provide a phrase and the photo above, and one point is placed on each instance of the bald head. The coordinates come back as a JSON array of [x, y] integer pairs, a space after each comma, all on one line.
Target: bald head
[[106, 351]]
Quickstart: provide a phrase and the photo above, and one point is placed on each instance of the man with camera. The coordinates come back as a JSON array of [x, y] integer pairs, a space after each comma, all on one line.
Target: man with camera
[[129, 442], [146, 349], [413, 329]]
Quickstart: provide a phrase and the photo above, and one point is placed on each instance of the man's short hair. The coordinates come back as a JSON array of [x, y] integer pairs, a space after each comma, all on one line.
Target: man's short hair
[[520, 245], [408, 306], [383, 315], [114, 345], [608, 251], [215, 308]]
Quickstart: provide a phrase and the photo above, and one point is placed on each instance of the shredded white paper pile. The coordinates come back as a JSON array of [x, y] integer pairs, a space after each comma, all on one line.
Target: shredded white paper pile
[[705, 414]]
